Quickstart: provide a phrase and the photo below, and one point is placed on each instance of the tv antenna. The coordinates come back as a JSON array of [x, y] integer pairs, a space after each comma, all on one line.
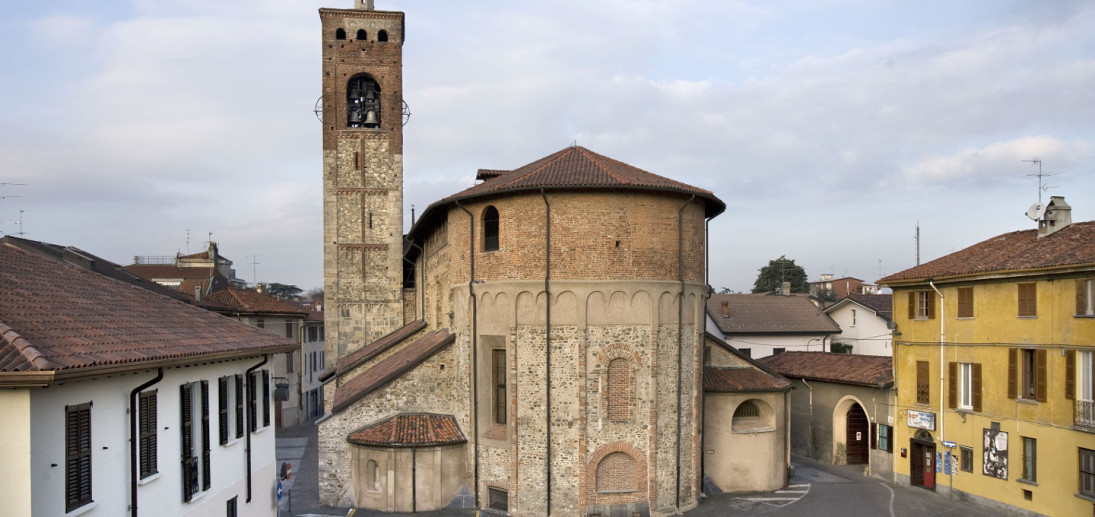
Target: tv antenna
[[19, 222], [7, 184], [1041, 187]]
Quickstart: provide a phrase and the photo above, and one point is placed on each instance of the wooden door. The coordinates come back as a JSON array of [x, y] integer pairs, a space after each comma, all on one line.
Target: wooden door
[[857, 439]]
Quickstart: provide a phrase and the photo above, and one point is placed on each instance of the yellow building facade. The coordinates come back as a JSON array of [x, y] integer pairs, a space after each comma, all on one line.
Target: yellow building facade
[[993, 362]]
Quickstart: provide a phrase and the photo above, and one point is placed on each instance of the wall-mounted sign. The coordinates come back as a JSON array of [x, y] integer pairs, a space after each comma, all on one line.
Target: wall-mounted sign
[[922, 420], [949, 445]]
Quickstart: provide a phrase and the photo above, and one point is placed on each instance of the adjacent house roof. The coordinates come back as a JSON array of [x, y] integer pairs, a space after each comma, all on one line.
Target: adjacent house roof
[[359, 356], [248, 300], [880, 304], [410, 430], [768, 314], [862, 370], [72, 322], [573, 168], [1022, 251], [393, 366], [735, 380]]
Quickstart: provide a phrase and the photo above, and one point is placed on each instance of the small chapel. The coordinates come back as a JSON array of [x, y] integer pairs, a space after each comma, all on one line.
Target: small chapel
[[533, 344]]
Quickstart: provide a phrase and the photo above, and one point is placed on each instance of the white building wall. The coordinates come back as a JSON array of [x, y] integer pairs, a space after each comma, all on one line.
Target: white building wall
[[761, 345], [863, 329], [160, 494], [15, 454]]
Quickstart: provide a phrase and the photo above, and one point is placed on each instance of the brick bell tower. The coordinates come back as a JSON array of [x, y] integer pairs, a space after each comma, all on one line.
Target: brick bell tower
[[363, 117]]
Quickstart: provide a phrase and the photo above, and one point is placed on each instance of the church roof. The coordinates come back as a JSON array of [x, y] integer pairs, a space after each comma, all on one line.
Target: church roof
[[410, 430], [741, 379], [391, 367], [574, 168], [359, 356], [248, 300]]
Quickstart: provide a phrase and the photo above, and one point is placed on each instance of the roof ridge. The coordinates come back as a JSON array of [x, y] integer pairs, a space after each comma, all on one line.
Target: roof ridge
[[597, 163], [26, 348], [551, 159]]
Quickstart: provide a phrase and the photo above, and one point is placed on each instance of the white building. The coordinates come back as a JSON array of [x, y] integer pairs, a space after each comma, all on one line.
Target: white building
[[866, 323], [118, 401], [759, 325]]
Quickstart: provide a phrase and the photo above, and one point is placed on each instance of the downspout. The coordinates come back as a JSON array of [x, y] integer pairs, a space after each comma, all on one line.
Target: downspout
[[680, 335], [252, 395], [703, 365], [547, 336], [474, 345], [134, 435], [414, 479], [942, 347]]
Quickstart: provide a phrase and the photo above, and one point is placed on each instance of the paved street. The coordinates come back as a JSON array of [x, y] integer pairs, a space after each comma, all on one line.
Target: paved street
[[817, 490]]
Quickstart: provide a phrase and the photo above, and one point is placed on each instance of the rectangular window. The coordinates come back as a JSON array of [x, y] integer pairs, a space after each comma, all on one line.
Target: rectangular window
[[239, 405], [289, 329], [1027, 374], [228, 402], [1087, 472], [921, 305], [1085, 297], [776, 351], [853, 317], [260, 323], [77, 456], [1030, 459], [967, 459], [965, 383], [965, 386], [146, 425], [290, 360], [885, 437], [313, 334], [497, 499], [1028, 300], [498, 383], [194, 413], [1085, 387], [258, 399], [747, 352], [965, 302], [923, 382], [232, 510]]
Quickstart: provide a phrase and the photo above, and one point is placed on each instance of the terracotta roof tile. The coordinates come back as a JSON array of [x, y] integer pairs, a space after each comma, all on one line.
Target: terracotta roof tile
[[247, 300], [363, 354], [163, 271], [1073, 245], [768, 314], [410, 430], [881, 304], [864, 370], [734, 380], [62, 317], [393, 366]]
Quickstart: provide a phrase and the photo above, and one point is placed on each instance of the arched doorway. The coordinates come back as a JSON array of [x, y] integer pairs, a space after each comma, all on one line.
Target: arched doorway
[[858, 429], [922, 460]]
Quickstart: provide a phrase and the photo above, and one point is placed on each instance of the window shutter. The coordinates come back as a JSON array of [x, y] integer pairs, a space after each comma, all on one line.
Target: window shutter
[[251, 404], [239, 406], [77, 456], [265, 398], [912, 305], [923, 393], [952, 387], [187, 442], [1028, 299], [1070, 374], [1081, 297], [931, 305], [222, 408], [976, 387], [874, 435], [965, 302], [1040, 383], [1013, 372], [206, 470], [147, 434]]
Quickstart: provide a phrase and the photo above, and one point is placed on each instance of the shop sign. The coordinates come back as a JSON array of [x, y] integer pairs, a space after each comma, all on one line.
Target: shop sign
[[922, 420]]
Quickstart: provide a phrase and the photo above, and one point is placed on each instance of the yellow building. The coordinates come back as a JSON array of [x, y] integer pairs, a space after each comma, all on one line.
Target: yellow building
[[993, 359]]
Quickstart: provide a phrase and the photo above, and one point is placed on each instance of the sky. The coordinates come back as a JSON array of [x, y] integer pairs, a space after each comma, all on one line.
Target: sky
[[830, 128]]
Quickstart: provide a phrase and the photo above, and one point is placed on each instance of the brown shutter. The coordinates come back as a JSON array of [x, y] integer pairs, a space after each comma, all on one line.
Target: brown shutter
[[965, 302], [931, 304], [874, 435], [923, 392], [952, 388], [1081, 297], [1040, 375], [1070, 374], [1028, 299], [1013, 373], [912, 305], [977, 387]]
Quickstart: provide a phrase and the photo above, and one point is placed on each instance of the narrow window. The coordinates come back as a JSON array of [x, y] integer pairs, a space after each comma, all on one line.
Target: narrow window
[[260, 322], [265, 398], [885, 438], [1087, 472], [1028, 300], [232, 507], [361, 35], [382, 36], [965, 302], [371, 478], [777, 351], [967, 459], [498, 382], [146, 425], [363, 102], [239, 405], [619, 389], [923, 391], [289, 334], [1085, 297], [853, 317], [1030, 459], [1027, 374], [77, 456], [340, 33], [965, 386], [194, 413], [490, 229]]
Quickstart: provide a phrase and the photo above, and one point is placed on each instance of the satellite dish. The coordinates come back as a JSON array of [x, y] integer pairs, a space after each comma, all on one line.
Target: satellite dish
[[1036, 211]]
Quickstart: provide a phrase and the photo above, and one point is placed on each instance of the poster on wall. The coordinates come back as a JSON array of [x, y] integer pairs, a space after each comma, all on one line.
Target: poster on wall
[[996, 454]]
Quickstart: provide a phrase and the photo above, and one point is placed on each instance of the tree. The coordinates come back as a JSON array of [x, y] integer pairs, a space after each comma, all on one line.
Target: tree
[[315, 295], [282, 291], [778, 271]]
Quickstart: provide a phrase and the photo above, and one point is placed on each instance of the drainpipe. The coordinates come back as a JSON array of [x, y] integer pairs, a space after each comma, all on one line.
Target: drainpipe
[[680, 335], [414, 479], [942, 347], [703, 397], [247, 416], [547, 335], [474, 344], [134, 436]]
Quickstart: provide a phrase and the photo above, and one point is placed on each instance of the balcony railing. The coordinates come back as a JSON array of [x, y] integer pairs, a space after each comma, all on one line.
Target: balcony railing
[[1084, 415]]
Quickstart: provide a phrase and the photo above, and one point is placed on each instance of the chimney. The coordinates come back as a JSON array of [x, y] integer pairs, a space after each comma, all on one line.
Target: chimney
[[785, 289], [725, 308], [198, 293], [1058, 215]]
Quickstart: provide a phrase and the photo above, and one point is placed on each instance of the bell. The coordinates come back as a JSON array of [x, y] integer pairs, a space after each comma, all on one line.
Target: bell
[[355, 116], [369, 95], [355, 92], [370, 117]]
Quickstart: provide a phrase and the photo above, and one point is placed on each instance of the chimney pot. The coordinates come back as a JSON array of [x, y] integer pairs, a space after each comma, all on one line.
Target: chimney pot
[[725, 309]]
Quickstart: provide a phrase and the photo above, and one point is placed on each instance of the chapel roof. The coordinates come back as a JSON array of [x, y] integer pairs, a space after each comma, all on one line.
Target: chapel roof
[[865, 370], [410, 430]]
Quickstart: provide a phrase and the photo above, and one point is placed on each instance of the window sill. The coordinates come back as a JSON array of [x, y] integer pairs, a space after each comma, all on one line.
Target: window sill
[[83, 509], [966, 410], [629, 491], [1088, 316], [148, 479], [232, 442], [753, 430], [1026, 401], [1027, 317], [1086, 497], [1027, 482], [196, 496]]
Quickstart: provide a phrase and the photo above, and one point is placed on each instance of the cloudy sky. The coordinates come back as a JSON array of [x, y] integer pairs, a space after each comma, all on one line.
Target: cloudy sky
[[830, 128]]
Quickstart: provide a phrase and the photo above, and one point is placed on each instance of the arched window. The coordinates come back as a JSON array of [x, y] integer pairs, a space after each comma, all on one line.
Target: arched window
[[753, 416], [747, 409], [616, 473], [372, 480], [362, 102], [361, 36], [618, 389], [490, 229], [340, 33], [382, 36]]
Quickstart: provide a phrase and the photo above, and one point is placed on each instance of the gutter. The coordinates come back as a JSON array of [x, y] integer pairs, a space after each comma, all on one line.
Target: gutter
[[942, 347], [547, 339], [474, 341], [680, 335], [134, 472]]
